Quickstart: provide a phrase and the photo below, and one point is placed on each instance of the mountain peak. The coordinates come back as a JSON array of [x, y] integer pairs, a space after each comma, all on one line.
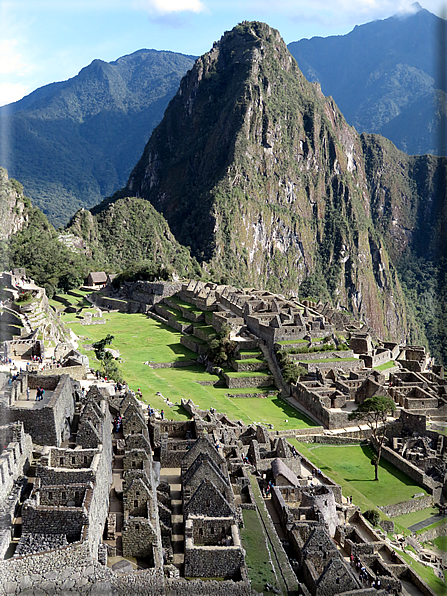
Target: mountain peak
[[409, 10]]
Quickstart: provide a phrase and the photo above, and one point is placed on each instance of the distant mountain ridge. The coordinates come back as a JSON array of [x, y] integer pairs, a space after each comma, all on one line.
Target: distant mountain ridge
[[72, 143], [384, 76]]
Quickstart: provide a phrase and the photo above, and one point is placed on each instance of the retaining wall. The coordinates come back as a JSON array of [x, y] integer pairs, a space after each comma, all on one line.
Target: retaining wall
[[407, 506]]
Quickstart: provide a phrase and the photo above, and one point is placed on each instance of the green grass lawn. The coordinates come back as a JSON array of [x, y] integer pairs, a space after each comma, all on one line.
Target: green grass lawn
[[385, 366], [257, 558], [207, 329], [350, 466], [427, 574], [140, 338], [409, 519], [254, 353], [190, 307], [441, 542], [252, 360]]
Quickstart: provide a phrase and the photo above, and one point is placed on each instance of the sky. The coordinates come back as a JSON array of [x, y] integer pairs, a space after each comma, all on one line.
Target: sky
[[43, 41]]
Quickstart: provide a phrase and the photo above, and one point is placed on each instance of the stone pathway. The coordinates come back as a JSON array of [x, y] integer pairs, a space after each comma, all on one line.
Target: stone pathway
[[426, 522]]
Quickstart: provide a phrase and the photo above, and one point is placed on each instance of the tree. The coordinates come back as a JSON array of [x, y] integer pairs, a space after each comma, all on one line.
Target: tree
[[221, 349], [100, 346], [110, 368], [374, 412]]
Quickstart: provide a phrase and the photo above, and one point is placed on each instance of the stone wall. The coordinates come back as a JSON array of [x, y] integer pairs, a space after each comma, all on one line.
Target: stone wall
[[407, 467], [196, 346], [138, 538], [57, 497], [432, 533], [181, 587], [79, 373], [48, 425], [407, 506], [44, 519], [15, 457], [310, 400], [72, 459], [149, 292], [207, 531], [239, 382], [213, 561]]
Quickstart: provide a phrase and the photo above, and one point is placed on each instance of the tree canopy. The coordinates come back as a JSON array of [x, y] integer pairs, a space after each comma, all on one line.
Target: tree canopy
[[374, 411]]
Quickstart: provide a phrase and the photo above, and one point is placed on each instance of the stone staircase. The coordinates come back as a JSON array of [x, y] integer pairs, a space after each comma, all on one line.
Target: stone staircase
[[173, 477]]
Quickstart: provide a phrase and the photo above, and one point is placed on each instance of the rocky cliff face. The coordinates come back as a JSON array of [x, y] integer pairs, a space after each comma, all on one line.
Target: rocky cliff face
[[13, 206], [261, 175]]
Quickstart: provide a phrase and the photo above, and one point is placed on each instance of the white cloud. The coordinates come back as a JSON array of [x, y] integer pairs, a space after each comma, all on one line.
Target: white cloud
[[10, 60], [169, 6], [10, 92]]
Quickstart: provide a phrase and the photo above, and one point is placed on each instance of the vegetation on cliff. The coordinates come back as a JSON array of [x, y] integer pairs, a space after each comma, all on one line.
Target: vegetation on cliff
[[33, 243], [132, 238]]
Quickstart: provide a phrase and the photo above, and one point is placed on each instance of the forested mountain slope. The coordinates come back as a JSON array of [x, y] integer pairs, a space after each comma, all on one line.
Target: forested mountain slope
[[75, 142], [385, 77]]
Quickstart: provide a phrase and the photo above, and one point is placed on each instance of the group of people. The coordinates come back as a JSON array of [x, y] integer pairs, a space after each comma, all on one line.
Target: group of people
[[364, 577], [40, 392], [266, 490], [117, 422], [151, 412]]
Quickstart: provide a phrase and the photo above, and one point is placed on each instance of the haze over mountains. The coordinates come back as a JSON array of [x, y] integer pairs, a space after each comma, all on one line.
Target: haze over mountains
[[75, 142]]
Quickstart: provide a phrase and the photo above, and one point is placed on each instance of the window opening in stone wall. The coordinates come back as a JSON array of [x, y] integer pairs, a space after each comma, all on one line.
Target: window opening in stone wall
[[137, 526], [64, 496], [85, 459], [135, 503], [61, 461], [212, 530], [73, 460], [50, 496]]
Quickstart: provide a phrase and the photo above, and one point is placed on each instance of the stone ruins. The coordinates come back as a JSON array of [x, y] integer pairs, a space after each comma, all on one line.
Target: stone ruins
[[99, 497]]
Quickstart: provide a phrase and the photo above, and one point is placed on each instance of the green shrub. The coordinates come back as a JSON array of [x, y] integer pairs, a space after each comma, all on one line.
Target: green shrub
[[372, 516]]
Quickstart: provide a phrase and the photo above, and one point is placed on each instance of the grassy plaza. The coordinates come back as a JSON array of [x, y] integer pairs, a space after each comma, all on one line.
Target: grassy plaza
[[140, 338]]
